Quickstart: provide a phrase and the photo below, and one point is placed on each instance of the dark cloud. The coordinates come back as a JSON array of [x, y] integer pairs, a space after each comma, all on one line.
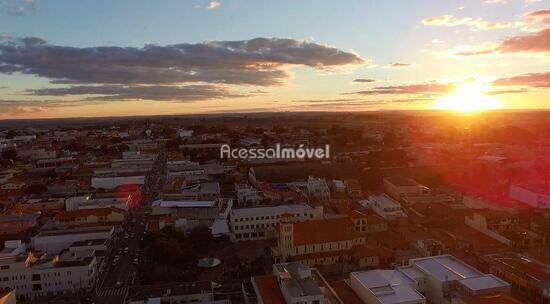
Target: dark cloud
[[364, 80], [259, 61], [537, 80], [424, 88], [141, 92]]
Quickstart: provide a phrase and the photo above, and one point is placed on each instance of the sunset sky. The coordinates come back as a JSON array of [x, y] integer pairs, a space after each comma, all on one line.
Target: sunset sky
[[110, 58]]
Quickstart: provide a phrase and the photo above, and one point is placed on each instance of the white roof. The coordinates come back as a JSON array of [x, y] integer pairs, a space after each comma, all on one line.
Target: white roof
[[388, 286], [487, 281], [219, 227], [384, 201], [446, 268], [184, 204]]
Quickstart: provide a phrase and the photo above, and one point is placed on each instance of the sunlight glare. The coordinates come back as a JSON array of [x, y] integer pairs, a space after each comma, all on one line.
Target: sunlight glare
[[469, 97]]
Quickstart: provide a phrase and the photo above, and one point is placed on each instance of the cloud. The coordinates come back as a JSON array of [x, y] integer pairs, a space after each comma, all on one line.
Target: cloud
[[17, 7], [399, 65], [538, 42], [213, 5], [124, 92], [259, 61], [364, 80], [422, 88], [474, 24], [536, 80], [445, 20], [536, 20]]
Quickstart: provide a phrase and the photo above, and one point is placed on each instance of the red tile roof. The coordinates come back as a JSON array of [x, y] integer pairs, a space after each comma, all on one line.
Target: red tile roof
[[324, 231], [489, 299]]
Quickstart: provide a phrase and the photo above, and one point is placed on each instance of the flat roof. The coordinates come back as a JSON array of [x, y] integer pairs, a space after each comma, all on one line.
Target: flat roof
[[384, 200], [184, 204], [487, 281], [446, 267], [388, 286], [259, 211]]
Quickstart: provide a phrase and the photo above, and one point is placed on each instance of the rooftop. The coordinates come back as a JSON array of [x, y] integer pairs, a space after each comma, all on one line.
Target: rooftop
[[388, 286]]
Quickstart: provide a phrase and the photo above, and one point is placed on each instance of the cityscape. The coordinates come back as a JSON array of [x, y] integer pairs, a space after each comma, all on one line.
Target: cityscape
[[245, 152]]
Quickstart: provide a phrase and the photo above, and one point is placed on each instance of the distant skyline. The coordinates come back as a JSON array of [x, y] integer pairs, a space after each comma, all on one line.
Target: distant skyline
[[113, 58]]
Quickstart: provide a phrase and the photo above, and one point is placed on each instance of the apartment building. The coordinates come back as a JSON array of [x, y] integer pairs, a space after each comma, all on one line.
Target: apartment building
[[256, 223], [33, 276]]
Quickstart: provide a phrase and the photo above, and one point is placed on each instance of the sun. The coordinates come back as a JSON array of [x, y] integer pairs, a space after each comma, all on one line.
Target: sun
[[467, 98]]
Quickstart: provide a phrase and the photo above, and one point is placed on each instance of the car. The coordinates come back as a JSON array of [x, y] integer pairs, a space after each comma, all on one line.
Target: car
[[119, 284]]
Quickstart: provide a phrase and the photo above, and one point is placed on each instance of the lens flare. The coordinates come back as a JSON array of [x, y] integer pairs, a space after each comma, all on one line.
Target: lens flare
[[469, 97]]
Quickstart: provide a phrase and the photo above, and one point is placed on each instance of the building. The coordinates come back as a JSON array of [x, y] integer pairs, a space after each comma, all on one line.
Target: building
[[443, 279], [90, 216], [190, 292], [112, 178], [385, 207], [32, 275], [55, 241], [353, 188], [385, 286], [292, 283], [247, 195], [255, 223], [318, 188], [200, 191], [535, 194], [398, 187], [189, 209], [528, 276], [317, 242], [17, 223], [504, 227]]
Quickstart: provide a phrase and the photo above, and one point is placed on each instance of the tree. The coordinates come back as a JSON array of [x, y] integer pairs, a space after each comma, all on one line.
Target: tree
[[9, 154]]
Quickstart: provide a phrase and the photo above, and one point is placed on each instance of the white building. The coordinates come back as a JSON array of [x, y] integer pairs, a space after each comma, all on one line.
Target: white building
[[55, 241], [385, 206], [318, 188], [256, 223], [247, 194], [390, 286], [34, 276], [439, 279]]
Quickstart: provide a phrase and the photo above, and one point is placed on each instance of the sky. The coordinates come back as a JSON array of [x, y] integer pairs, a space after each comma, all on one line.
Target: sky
[[117, 58]]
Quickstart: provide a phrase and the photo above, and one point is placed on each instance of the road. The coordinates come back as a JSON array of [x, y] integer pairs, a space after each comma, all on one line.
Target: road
[[115, 282]]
